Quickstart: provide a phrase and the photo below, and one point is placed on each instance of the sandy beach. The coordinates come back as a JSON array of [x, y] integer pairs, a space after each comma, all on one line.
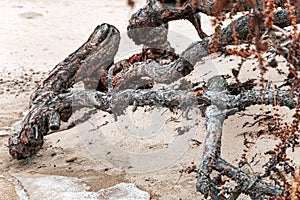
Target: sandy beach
[[146, 147]]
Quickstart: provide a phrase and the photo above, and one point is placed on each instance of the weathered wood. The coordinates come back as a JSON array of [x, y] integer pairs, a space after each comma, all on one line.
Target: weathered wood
[[215, 115], [36, 124], [158, 12], [253, 187], [88, 61], [212, 144], [124, 81], [54, 121], [154, 72], [95, 55]]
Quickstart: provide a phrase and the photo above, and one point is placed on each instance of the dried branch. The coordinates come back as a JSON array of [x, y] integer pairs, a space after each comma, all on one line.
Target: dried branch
[[154, 72], [36, 124], [215, 115], [158, 12], [92, 63], [92, 58], [88, 61]]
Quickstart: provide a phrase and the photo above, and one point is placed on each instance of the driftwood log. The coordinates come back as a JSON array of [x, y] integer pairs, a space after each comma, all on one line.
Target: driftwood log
[[112, 87], [95, 56]]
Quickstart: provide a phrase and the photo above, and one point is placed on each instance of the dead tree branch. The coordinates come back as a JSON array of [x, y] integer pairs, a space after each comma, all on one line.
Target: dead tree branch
[[215, 115], [52, 103], [154, 72], [158, 12], [36, 124], [91, 61]]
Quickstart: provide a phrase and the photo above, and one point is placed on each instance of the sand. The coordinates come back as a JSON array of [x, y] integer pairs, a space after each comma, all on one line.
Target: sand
[[144, 147]]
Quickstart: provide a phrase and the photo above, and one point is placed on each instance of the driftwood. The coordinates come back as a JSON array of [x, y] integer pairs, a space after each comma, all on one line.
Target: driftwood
[[129, 82], [223, 105], [195, 52], [93, 57], [158, 12]]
